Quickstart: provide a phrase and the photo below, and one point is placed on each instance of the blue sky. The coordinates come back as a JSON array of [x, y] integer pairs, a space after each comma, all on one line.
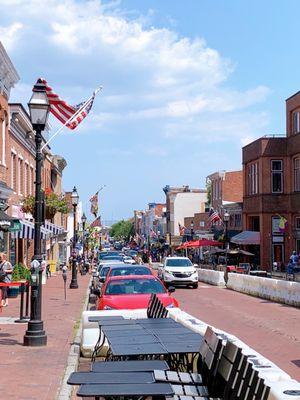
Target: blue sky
[[185, 85]]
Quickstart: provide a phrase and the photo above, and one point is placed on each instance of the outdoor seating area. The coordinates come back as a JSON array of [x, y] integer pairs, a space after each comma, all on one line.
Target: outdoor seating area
[[161, 358]]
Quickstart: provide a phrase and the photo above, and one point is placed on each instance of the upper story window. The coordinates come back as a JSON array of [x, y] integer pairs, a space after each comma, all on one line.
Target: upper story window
[[296, 122], [276, 176], [253, 178], [296, 163]]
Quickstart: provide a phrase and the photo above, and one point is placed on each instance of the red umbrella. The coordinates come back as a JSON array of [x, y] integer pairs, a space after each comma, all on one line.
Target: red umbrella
[[183, 246], [203, 242]]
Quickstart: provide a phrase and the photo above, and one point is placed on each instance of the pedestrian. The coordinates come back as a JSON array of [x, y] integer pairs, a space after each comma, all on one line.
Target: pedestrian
[[6, 267]]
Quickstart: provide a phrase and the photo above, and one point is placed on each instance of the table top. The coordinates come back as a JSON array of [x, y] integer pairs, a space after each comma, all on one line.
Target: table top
[[119, 350], [147, 338], [137, 389], [79, 378], [127, 322], [108, 328], [131, 365], [97, 318], [181, 347]]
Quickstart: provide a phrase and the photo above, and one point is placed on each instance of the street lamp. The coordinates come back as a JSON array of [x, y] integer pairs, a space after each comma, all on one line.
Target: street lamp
[[75, 201], [226, 218], [83, 220], [192, 230], [39, 110]]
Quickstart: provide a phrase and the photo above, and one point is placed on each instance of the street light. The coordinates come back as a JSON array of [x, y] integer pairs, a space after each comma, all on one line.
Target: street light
[[39, 110], [226, 218], [75, 201], [83, 220], [192, 230]]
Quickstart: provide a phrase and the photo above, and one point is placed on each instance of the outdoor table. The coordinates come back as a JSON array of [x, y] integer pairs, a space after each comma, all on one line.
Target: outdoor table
[[137, 389], [99, 318], [131, 365], [147, 338], [80, 378], [156, 321], [121, 327], [142, 350], [177, 337]]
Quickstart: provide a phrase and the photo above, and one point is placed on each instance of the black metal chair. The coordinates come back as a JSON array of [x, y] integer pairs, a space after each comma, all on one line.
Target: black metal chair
[[155, 308]]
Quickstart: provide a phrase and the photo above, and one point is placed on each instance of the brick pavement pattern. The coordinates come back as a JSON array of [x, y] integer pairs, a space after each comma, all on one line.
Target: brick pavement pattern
[[270, 328], [35, 373]]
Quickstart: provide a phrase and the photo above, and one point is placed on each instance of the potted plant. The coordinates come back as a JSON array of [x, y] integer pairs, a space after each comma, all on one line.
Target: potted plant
[[20, 273], [53, 203]]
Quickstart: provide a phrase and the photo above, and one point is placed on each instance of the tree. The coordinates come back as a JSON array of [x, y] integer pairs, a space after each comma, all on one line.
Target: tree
[[121, 230]]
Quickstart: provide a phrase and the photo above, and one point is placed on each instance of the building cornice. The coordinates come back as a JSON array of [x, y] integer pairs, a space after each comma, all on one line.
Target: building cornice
[[8, 74]]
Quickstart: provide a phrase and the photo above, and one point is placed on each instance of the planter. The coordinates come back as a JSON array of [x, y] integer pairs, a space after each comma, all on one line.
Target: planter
[[13, 291]]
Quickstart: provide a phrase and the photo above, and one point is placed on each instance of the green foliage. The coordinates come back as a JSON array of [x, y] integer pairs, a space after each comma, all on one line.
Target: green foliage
[[208, 188], [121, 230], [20, 272], [54, 204]]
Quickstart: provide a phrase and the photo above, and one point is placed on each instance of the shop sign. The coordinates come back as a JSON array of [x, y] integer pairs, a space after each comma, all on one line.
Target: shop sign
[[15, 226], [4, 224], [275, 226], [278, 239]]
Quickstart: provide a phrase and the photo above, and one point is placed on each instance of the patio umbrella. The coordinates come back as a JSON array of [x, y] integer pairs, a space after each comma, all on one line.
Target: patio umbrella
[[202, 243]]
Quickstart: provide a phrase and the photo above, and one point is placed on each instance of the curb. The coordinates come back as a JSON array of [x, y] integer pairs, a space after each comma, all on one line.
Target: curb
[[65, 391]]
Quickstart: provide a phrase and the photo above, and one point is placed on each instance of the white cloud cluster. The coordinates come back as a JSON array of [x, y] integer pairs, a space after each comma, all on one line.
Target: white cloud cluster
[[149, 74]]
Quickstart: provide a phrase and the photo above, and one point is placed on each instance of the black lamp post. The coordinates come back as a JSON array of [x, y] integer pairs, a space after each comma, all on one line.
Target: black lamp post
[[75, 201], [226, 218], [192, 230], [83, 220], [39, 110]]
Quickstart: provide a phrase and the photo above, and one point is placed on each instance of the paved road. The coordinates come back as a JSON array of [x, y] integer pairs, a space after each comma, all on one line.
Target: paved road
[[270, 328]]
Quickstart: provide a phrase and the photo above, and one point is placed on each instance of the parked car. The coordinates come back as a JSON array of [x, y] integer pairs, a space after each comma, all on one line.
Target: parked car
[[123, 292], [128, 260], [125, 270], [102, 270], [178, 270]]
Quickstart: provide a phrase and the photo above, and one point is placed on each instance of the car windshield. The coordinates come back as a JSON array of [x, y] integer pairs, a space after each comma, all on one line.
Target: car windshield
[[130, 271], [112, 258], [134, 286], [108, 254], [178, 262], [104, 271]]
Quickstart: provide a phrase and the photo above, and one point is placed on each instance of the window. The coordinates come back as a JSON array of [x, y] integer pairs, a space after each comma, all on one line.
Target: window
[[296, 122], [296, 174], [276, 176], [13, 180], [297, 223], [3, 140], [31, 180], [20, 177], [253, 178], [237, 220], [26, 180]]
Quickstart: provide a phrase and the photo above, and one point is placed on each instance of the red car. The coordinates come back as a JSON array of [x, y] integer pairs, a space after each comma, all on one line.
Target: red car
[[132, 292]]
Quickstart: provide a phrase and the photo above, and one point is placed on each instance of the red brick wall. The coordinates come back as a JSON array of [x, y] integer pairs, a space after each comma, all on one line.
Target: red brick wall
[[232, 186]]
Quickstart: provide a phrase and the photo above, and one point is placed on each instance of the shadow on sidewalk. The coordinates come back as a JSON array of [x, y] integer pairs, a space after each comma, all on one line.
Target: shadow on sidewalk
[[10, 342]]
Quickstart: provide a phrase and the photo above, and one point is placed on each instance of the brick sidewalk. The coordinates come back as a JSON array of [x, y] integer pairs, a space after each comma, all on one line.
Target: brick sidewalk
[[29, 373]]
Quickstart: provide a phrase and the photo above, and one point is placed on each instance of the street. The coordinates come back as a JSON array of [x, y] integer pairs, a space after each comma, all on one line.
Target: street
[[270, 328]]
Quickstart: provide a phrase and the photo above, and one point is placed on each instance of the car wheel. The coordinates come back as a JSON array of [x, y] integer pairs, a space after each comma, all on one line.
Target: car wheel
[[195, 285]]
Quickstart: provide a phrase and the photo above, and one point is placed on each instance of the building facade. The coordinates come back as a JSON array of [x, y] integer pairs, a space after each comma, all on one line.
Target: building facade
[[271, 168], [181, 202]]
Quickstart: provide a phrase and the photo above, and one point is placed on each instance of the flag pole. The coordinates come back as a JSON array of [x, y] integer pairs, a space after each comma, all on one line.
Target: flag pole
[[72, 117]]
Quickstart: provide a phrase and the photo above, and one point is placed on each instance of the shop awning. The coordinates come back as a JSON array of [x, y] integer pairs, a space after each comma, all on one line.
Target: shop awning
[[246, 237], [5, 220], [27, 231], [55, 229]]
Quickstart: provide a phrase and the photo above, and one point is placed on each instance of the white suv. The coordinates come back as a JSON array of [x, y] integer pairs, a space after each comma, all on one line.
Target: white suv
[[178, 270]]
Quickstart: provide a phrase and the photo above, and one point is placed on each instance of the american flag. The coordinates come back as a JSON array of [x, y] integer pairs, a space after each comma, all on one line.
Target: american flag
[[64, 112], [181, 229], [213, 217], [94, 204]]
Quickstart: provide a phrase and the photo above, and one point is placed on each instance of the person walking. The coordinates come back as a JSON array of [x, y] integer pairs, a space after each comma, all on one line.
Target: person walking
[[5, 266]]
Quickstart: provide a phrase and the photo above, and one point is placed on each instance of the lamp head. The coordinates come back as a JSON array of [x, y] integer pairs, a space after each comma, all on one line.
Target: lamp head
[[75, 197], [83, 218], [39, 106]]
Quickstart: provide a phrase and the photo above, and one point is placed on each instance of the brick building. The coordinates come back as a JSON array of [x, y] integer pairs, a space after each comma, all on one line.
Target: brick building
[[17, 174], [181, 202], [271, 168], [227, 196]]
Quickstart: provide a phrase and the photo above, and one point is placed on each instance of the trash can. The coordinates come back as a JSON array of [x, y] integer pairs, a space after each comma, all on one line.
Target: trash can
[[52, 264]]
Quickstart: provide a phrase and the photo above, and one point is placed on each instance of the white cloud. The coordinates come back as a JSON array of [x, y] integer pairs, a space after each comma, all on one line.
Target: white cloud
[[10, 34], [149, 74]]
